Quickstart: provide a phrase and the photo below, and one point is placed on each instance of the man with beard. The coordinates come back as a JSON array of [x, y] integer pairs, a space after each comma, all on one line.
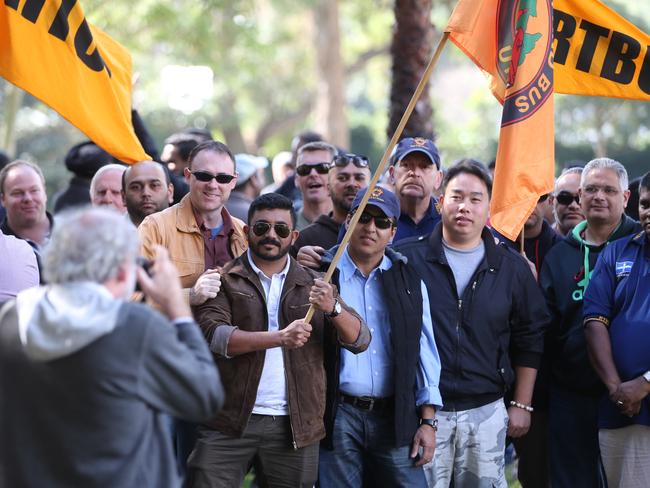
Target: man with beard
[[313, 165], [348, 174], [146, 189], [272, 368]]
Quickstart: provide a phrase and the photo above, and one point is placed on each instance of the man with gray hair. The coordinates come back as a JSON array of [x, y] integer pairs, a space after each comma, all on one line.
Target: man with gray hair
[[575, 389], [99, 375], [106, 187], [566, 201]]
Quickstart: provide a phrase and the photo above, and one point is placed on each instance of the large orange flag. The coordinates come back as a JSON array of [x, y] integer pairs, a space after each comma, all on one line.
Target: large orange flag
[[599, 53], [511, 40], [48, 49]]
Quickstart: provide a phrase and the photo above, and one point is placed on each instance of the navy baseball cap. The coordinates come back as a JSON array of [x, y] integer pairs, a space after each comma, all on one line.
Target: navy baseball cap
[[385, 200], [410, 145]]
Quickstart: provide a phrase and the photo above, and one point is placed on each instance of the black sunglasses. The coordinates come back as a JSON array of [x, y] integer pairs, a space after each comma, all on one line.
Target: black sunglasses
[[566, 197], [343, 160], [261, 227], [305, 169], [204, 176], [382, 223]]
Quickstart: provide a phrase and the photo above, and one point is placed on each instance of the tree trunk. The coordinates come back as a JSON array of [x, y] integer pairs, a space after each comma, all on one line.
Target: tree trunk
[[330, 97], [411, 51], [13, 100]]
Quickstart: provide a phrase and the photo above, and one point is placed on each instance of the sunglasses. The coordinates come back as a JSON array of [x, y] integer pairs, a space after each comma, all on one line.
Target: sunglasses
[[305, 169], [382, 223], [261, 227], [565, 198], [204, 176], [343, 160]]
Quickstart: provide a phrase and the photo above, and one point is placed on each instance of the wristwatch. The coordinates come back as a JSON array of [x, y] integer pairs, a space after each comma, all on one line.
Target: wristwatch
[[336, 310], [433, 423], [646, 376]]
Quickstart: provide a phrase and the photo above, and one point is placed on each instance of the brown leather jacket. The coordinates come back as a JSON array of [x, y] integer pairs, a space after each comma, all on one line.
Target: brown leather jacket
[[175, 228], [241, 304]]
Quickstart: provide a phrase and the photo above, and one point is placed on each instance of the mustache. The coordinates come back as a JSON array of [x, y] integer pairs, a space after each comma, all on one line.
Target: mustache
[[273, 242]]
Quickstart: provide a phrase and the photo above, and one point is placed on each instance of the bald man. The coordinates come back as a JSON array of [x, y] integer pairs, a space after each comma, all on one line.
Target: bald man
[[146, 189]]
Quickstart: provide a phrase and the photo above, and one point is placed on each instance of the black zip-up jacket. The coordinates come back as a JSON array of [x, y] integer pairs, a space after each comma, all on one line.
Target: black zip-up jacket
[[497, 323], [563, 280]]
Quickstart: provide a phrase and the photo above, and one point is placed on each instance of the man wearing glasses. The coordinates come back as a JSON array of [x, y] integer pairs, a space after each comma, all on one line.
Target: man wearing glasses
[[312, 168], [270, 360], [347, 175], [575, 388], [198, 232], [381, 404], [566, 202]]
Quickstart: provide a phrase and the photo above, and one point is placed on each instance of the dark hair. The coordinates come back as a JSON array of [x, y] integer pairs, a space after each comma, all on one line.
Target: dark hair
[[471, 167], [4, 159], [163, 166], [214, 146], [272, 201], [644, 182]]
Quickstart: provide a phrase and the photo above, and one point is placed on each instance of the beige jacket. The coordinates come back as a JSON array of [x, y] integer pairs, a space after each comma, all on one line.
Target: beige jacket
[[175, 228]]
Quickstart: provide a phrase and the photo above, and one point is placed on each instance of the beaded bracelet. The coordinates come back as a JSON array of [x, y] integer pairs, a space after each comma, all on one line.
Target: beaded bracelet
[[528, 408]]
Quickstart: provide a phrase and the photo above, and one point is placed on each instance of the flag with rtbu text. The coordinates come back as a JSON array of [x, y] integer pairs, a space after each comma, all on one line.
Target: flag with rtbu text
[[511, 41], [48, 49], [598, 52]]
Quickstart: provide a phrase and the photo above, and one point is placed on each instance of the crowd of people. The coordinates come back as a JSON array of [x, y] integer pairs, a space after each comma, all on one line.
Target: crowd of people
[[157, 330]]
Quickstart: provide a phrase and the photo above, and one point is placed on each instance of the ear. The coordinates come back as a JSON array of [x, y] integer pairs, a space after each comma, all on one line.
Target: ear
[[294, 235], [186, 174], [391, 174], [170, 193], [626, 198], [437, 180]]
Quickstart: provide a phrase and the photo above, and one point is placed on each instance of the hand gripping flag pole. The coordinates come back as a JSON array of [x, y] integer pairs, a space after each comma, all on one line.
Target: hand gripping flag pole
[[382, 165]]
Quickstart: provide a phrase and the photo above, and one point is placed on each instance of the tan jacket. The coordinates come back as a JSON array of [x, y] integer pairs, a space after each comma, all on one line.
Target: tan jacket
[[175, 228]]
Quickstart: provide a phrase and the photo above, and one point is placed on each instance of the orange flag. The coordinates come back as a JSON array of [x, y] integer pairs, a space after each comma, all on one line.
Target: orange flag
[[48, 49], [599, 53], [511, 41]]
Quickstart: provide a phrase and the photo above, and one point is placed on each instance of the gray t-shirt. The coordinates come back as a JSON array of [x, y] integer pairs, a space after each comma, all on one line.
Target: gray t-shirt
[[463, 263]]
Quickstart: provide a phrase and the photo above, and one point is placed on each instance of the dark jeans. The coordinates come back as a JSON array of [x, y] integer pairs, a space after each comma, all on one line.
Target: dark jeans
[[574, 453], [184, 440], [221, 461], [364, 451], [532, 451]]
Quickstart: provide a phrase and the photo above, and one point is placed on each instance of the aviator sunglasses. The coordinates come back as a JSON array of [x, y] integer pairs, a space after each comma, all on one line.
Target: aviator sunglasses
[[305, 169], [343, 160], [204, 176], [565, 198], [261, 227]]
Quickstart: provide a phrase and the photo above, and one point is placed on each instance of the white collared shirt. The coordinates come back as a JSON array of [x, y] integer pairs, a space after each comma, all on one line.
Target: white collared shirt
[[271, 396]]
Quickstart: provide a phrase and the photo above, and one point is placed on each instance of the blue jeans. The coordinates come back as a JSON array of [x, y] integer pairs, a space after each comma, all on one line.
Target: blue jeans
[[574, 454], [365, 453]]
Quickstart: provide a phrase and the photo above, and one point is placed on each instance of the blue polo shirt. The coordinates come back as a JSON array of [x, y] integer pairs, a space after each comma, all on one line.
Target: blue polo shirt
[[407, 228], [619, 296]]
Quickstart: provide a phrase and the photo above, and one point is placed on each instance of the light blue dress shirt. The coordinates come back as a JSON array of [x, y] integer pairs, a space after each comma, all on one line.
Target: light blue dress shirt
[[371, 373]]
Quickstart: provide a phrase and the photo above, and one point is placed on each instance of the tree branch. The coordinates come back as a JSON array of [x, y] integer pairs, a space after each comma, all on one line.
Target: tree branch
[[365, 57]]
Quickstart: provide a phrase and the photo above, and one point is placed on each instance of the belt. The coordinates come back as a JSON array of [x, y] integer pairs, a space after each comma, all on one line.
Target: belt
[[368, 403]]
